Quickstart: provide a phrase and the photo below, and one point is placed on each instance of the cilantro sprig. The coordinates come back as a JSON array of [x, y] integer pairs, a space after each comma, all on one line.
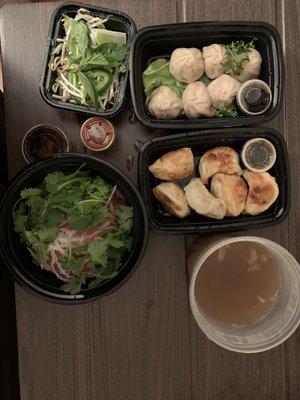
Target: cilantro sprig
[[74, 214]]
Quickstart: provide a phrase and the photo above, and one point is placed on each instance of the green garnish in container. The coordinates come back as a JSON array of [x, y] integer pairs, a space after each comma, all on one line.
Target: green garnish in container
[[237, 52], [89, 62], [76, 226]]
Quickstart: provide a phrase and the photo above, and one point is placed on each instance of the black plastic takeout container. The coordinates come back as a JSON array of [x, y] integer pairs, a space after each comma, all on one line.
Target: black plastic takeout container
[[162, 221], [118, 21], [155, 42], [16, 257]]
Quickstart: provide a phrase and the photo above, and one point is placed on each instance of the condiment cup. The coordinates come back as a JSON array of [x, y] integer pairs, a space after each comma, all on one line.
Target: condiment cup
[[97, 134], [269, 160], [253, 84], [43, 140]]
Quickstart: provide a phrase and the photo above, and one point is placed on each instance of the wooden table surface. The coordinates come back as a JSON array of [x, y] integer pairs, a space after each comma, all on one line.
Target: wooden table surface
[[141, 343]]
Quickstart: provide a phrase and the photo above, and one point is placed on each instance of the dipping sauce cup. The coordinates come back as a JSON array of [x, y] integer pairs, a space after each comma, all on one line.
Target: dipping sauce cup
[[97, 134], [42, 141]]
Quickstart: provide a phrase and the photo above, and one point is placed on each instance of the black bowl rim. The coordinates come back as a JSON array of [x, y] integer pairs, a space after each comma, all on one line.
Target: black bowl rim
[[46, 295], [74, 107], [198, 123], [232, 227]]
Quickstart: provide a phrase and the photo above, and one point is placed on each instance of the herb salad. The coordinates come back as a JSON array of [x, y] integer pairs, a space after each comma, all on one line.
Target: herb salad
[[76, 226], [89, 62]]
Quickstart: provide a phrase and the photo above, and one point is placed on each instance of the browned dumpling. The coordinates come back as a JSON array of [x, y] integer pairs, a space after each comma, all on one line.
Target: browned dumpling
[[172, 197], [220, 159], [177, 164], [202, 201], [263, 191], [232, 189]]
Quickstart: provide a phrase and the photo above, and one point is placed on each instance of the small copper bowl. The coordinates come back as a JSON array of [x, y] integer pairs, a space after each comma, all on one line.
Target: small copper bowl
[[97, 134], [42, 141]]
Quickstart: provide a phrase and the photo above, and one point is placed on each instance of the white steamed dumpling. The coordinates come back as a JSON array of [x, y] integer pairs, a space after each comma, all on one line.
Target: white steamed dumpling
[[251, 67], [215, 58], [186, 64], [196, 101], [223, 91], [164, 103]]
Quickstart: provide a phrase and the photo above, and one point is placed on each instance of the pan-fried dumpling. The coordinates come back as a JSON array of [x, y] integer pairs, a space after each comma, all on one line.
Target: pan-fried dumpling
[[186, 64], [196, 101], [263, 191], [215, 58], [232, 189], [220, 159], [223, 91], [251, 67], [164, 103], [172, 197], [176, 164], [202, 201]]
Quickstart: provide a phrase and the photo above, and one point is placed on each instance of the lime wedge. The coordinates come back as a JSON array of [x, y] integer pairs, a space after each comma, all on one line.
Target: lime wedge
[[99, 36]]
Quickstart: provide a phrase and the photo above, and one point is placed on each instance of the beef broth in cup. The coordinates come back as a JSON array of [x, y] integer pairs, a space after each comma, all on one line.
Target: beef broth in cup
[[244, 292]]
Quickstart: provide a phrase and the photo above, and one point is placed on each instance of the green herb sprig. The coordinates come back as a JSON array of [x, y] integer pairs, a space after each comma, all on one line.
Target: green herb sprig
[[226, 112], [78, 203], [237, 52]]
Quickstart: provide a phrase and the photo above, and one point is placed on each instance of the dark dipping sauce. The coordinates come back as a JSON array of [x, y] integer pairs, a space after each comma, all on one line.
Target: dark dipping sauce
[[44, 141], [258, 154], [256, 99]]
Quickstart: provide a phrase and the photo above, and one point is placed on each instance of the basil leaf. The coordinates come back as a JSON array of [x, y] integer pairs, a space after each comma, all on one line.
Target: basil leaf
[[115, 53], [89, 89], [93, 59], [78, 40]]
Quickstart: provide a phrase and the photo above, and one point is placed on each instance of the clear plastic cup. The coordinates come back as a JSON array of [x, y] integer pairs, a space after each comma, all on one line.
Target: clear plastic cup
[[280, 323]]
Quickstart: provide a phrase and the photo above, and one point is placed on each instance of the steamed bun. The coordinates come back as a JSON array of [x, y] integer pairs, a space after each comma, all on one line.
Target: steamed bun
[[164, 103], [196, 101], [223, 91], [215, 58], [251, 67], [186, 64]]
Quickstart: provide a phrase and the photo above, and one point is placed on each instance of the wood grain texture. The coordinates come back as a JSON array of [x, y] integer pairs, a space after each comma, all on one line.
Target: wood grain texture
[[291, 126], [142, 342], [126, 346], [271, 375]]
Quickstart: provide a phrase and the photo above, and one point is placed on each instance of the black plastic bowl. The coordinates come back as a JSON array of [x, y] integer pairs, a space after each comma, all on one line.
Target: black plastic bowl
[[16, 257], [159, 41], [164, 222], [118, 21]]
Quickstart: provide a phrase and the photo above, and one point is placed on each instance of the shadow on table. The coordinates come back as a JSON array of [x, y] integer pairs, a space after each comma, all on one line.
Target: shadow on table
[[9, 380]]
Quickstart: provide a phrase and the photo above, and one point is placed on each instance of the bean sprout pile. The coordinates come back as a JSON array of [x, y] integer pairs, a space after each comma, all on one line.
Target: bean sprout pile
[[88, 71]]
